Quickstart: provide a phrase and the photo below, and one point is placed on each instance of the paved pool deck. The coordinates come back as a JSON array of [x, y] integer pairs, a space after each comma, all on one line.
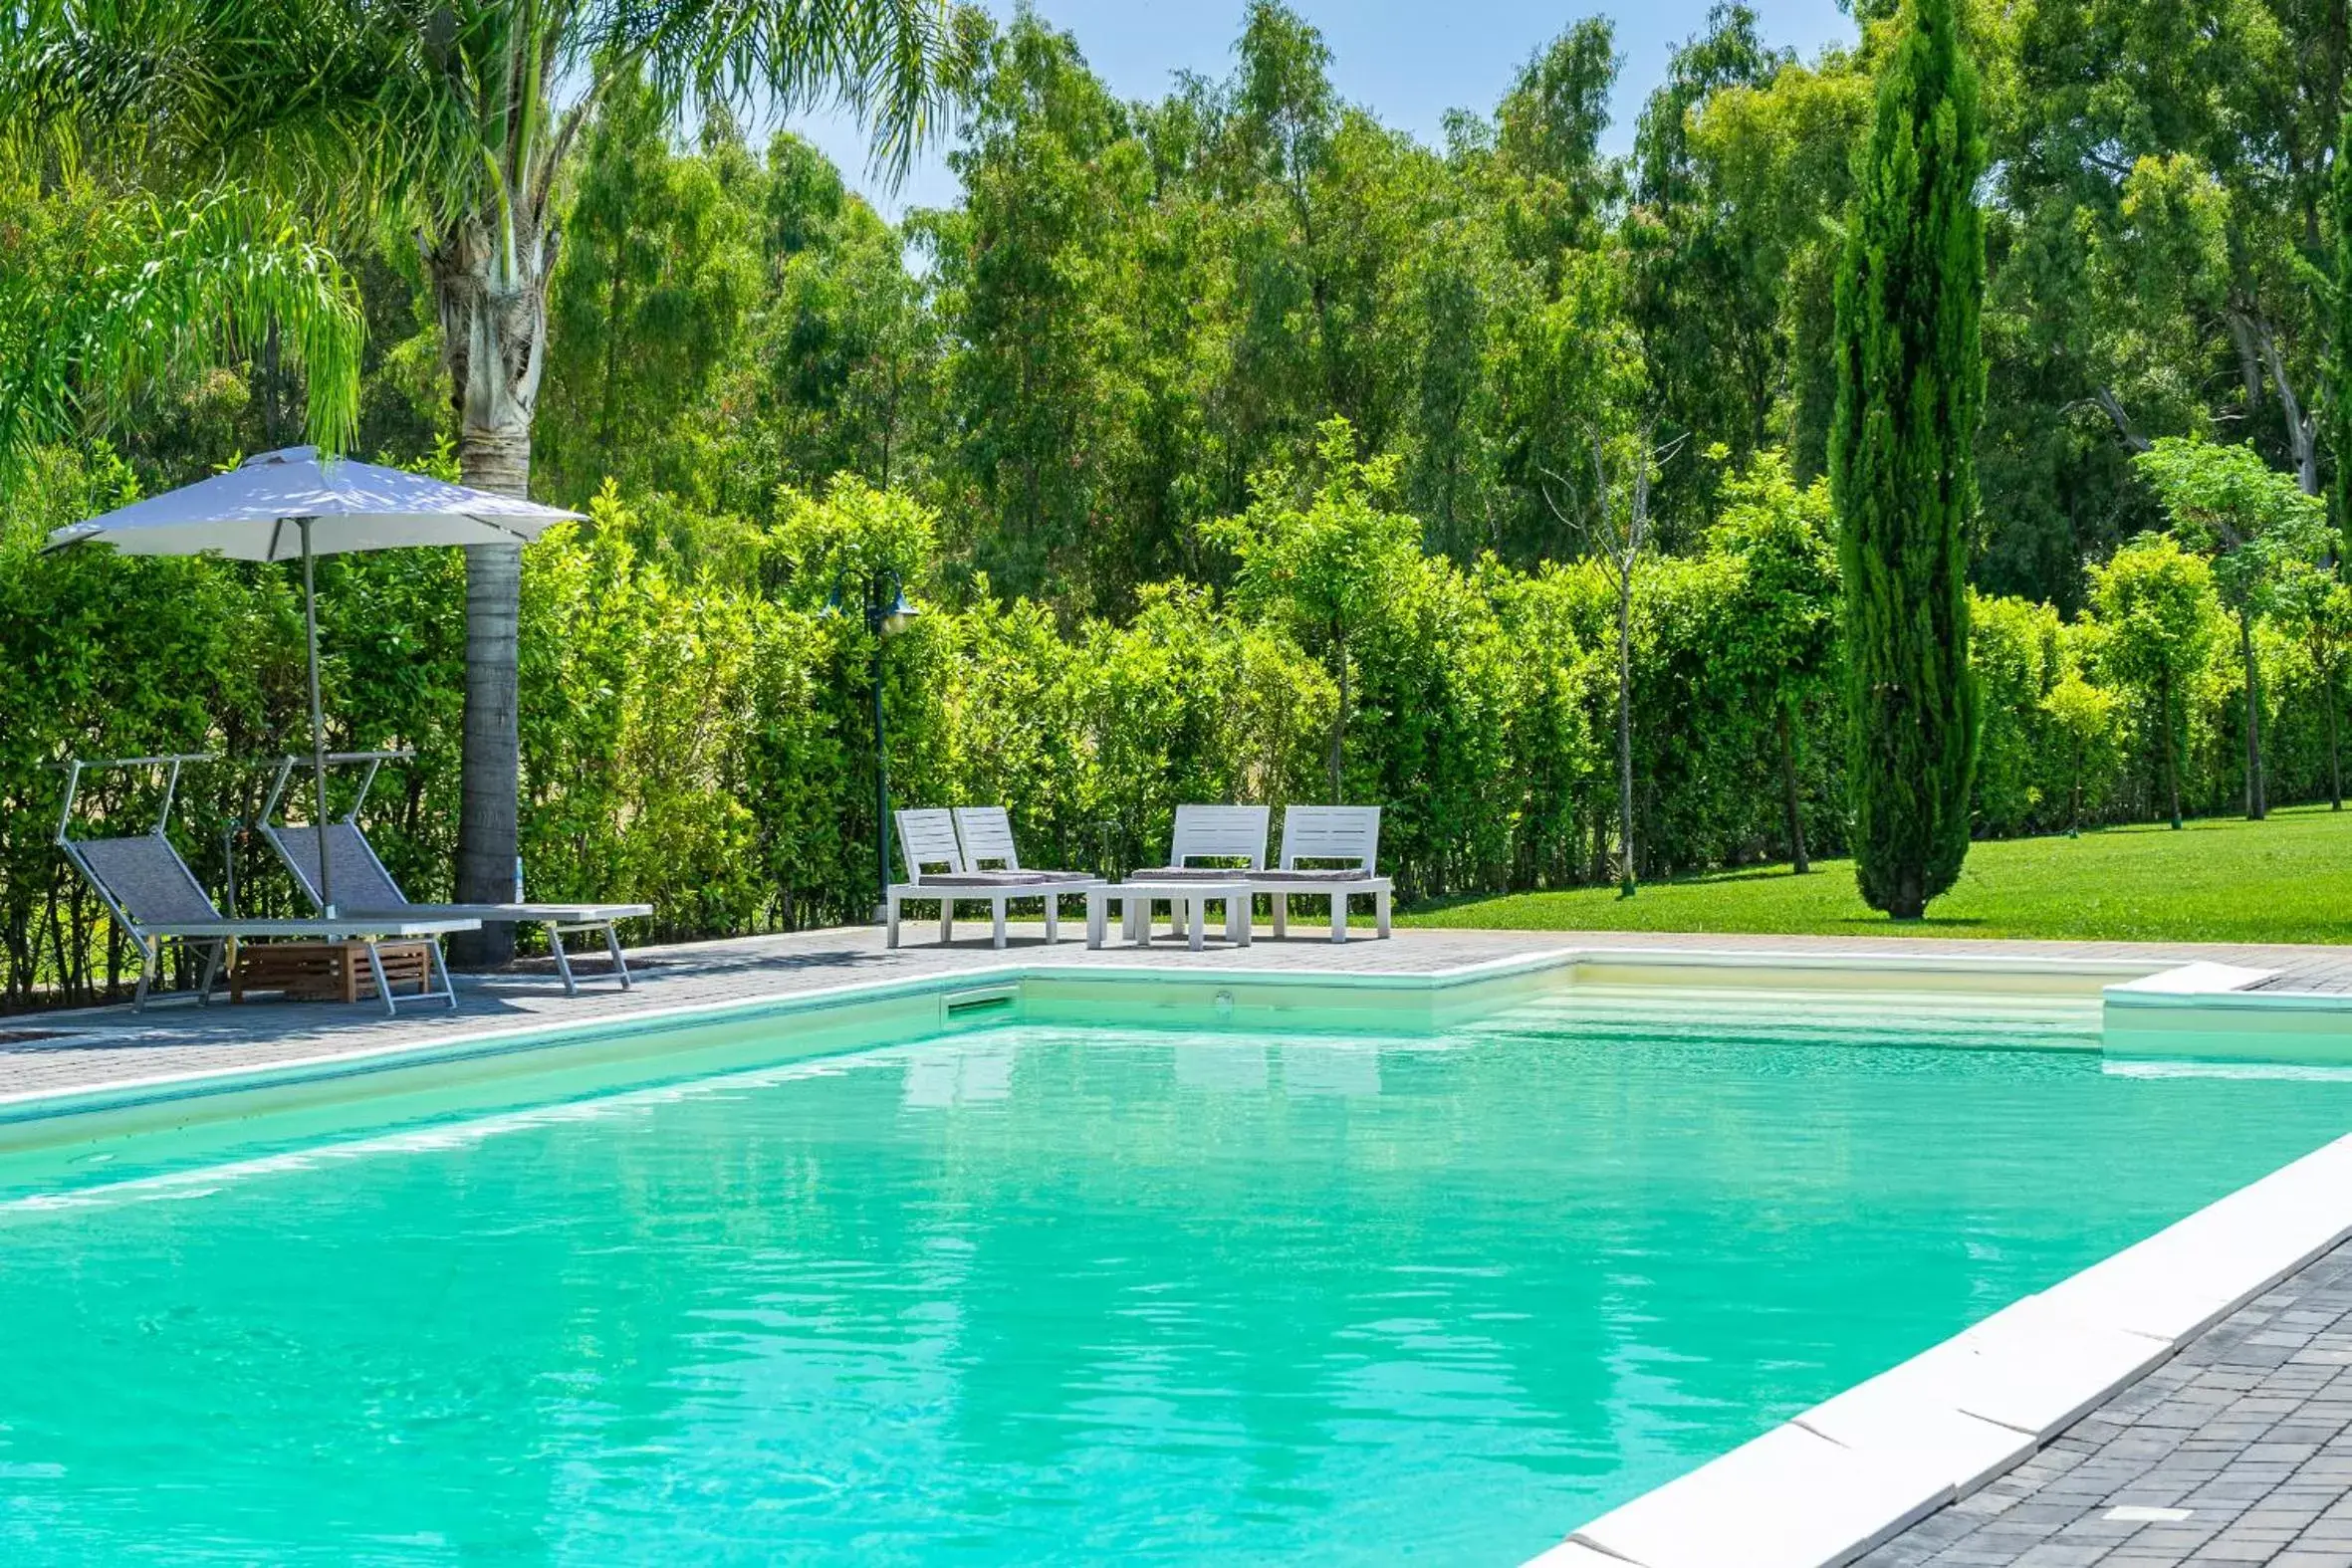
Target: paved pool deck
[[2248, 1428]]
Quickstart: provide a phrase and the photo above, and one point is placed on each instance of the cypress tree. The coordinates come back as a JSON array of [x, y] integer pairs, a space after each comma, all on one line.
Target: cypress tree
[[2338, 383], [1909, 388]]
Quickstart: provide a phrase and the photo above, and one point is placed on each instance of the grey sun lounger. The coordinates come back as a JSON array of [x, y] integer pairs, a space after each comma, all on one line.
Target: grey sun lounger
[[363, 888], [155, 898], [933, 842]]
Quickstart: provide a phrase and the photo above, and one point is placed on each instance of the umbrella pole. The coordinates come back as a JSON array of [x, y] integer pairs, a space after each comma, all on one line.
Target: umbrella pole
[[310, 625]]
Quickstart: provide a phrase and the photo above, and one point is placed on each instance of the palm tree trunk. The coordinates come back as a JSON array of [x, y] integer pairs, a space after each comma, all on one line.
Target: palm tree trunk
[[493, 310]]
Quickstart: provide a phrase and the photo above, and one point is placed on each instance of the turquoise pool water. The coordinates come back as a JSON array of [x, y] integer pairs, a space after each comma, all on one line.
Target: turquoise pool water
[[1041, 1295]]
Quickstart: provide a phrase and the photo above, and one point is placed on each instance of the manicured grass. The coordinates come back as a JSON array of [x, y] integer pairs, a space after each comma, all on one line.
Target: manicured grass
[[2288, 879]]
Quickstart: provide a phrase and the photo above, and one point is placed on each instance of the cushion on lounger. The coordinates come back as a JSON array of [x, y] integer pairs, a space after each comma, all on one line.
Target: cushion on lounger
[[995, 879], [1342, 874]]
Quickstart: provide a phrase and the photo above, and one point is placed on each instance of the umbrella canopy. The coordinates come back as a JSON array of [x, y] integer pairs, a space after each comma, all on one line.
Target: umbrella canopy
[[250, 513], [293, 505]]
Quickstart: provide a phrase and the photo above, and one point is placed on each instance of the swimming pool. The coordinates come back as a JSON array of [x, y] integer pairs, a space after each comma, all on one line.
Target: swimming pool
[[1040, 1294]]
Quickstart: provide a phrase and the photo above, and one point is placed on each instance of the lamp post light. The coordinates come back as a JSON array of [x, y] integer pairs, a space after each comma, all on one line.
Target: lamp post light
[[887, 612]]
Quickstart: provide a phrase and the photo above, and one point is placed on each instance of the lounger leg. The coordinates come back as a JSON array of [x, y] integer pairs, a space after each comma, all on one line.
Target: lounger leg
[[997, 908], [150, 953], [438, 966], [890, 920], [555, 941], [620, 966], [1339, 916], [383, 988], [1237, 921], [212, 962], [1282, 914], [1052, 916], [1097, 912], [947, 919], [1380, 911], [1176, 917]]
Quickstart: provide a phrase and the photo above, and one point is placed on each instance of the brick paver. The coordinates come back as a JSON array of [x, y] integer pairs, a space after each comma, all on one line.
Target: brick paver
[[2246, 1436]]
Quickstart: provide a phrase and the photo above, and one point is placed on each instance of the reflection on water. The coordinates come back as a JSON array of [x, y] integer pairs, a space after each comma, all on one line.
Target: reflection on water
[[1046, 1295]]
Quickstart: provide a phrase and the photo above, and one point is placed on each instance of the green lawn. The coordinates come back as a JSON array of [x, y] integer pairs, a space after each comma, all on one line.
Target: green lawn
[[2288, 879]]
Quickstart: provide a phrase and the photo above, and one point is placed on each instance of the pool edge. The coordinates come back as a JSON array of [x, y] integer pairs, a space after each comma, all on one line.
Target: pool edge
[[1695, 966], [1846, 1477]]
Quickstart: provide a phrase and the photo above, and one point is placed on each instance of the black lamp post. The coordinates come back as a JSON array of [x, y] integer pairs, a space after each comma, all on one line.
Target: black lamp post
[[886, 615]]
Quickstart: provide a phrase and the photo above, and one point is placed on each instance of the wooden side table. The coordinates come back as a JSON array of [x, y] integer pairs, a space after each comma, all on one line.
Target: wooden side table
[[328, 971]]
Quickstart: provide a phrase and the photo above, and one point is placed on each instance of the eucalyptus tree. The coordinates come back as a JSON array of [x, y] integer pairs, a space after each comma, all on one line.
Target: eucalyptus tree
[[453, 120], [2161, 619], [1781, 634], [1326, 561], [2253, 520]]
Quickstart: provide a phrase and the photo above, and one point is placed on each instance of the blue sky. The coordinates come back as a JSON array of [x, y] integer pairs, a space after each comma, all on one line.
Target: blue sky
[[1409, 62]]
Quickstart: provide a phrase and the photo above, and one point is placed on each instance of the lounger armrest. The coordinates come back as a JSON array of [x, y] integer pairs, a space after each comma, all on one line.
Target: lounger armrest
[[1352, 879], [1190, 874], [341, 928], [526, 912]]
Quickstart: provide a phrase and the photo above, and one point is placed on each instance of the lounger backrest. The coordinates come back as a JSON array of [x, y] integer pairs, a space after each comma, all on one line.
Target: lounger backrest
[[146, 878], [361, 881], [1220, 834], [986, 833], [927, 838], [1323, 835]]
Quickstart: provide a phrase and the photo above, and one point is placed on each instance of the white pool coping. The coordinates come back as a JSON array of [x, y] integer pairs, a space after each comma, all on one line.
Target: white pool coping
[[1857, 1469]]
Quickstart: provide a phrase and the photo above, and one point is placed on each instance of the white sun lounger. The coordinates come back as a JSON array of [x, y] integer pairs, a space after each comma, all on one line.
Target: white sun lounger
[[1211, 843], [155, 898], [937, 867], [1328, 851], [363, 888]]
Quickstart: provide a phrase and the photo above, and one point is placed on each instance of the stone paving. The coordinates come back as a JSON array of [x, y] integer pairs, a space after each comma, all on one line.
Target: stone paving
[[2237, 1451]]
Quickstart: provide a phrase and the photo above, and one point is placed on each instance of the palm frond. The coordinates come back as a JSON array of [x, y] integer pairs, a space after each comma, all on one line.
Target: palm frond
[[166, 288]]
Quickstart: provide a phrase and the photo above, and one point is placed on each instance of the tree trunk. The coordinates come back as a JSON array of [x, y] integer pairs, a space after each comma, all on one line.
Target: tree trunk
[[1625, 871], [1340, 720], [2335, 767], [2253, 719], [2302, 430], [492, 302], [2171, 767], [1797, 862]]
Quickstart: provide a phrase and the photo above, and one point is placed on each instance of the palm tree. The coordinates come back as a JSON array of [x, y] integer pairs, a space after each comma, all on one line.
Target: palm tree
[[452, 119], [164, 286]]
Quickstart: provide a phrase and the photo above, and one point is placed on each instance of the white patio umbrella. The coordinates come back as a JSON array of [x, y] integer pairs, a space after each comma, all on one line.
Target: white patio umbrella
[[296, 505]]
